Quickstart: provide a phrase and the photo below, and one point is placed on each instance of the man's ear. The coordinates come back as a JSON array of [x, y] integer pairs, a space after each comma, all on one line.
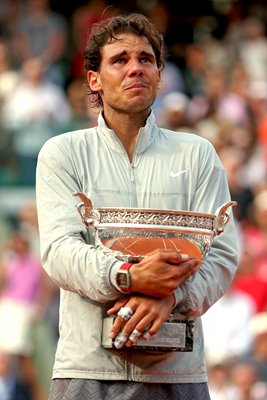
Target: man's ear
[[159, 80], [93, 80]]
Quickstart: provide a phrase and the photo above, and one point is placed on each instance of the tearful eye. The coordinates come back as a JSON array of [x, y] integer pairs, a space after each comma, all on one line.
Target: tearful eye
[[120, 61], [144, 60]]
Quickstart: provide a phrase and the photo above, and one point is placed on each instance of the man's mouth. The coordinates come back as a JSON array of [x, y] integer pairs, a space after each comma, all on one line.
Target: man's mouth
[[136, 86]]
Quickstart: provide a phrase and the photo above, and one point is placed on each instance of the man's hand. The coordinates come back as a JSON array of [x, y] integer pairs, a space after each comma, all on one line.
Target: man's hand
[[161, 272], [148, 316]]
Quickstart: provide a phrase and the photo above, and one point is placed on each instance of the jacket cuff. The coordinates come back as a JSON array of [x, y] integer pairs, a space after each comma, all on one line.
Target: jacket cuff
[[179, 297]]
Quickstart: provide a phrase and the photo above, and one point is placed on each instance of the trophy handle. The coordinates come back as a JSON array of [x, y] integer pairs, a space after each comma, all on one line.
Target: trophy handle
[[85, 209], [222, 217]]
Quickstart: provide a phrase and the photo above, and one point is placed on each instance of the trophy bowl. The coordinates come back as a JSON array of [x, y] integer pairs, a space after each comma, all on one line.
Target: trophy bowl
[[131, 233]]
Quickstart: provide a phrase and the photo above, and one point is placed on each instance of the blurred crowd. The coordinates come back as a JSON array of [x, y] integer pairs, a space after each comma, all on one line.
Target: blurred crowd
[[214, 84]]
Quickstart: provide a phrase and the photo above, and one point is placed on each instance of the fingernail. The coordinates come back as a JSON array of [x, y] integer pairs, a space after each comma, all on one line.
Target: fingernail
[[120, 340], [184, 256], [147, 336], [111, 335], [135, 335]]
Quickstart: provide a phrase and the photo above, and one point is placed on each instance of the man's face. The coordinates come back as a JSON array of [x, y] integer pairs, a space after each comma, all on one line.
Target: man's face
[[128, 77]]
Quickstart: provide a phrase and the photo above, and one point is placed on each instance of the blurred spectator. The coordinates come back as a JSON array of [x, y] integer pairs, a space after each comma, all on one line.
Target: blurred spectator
[[247, 281], [28, 225], [21, 285], [256, 96], [45, 328], [83, 17], [237, 79], [8, 75], [247, 383], [253, 172], [233, 159], [255, 236], [211, 128], [33, 113], [168, 24], [257, 355], [233, 30], [214, 89], [194, 69], [42, 33], [10, 10], [80, 117], [252, 48], [242, 138], [218, 99], [173, 113], [220, 385], [205, 34], [171, 81], [8, 81], [249, 138], [158, 12], [257, 103], [11, 385], [225, 327], [262, 138], [5, 230]]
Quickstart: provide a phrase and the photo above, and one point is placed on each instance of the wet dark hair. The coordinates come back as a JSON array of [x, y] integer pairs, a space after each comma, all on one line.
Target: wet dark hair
[[108, 31]]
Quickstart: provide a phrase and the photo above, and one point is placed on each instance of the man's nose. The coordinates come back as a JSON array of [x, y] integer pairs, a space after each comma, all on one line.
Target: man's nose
[[135, 68]]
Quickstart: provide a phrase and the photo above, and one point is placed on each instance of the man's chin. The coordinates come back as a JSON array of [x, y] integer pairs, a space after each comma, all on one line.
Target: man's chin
[[139, 105]]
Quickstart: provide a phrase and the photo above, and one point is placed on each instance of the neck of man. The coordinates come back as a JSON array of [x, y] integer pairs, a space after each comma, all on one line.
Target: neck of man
[[126, 127]]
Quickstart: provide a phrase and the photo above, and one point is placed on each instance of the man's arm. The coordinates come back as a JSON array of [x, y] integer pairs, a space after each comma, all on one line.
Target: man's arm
[[214, 277], [68, 260]]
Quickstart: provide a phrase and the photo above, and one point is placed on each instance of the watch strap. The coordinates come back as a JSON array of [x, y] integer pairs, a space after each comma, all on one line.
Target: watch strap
[[126, 266]]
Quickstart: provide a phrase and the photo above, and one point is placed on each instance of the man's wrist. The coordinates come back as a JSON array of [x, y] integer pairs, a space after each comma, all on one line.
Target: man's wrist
[[123, 278]]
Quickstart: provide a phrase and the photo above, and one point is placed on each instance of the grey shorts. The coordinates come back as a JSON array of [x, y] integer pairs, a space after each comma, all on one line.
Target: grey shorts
[[84, 389]]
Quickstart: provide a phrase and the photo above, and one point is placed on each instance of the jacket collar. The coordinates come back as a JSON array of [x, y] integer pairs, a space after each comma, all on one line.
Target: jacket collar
[[145, 136]]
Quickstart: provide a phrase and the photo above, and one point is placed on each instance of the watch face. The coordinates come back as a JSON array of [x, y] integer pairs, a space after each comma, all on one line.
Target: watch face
[[123, 279]]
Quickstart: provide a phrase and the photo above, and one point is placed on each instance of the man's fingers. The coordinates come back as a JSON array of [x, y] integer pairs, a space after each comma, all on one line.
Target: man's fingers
[[189, 265], [189, 268], [173, 257], [120, 303]]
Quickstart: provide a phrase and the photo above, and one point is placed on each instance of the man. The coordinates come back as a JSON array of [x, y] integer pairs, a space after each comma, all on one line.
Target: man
[[127, 161]]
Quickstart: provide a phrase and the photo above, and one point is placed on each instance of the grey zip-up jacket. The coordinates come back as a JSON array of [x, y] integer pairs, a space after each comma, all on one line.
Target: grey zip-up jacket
[[170, 170]]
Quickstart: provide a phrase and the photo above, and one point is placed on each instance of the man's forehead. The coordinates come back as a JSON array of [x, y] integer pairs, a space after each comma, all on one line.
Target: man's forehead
[[127, 42]]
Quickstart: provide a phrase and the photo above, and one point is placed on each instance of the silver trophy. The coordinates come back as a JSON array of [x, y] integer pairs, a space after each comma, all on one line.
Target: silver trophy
[[131, 233]]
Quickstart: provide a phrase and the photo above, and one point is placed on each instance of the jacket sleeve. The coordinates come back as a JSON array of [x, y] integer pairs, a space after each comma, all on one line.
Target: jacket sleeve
[[213, 279], [74, 265]]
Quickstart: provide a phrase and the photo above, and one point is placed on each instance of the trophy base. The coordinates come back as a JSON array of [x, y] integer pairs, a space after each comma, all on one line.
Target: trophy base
[[174, 335]]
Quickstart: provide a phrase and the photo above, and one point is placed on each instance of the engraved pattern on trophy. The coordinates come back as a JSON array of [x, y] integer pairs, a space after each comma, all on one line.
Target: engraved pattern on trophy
[[146, 217]]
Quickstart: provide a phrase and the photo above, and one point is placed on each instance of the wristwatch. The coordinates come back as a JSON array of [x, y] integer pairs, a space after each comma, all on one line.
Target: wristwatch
[[123, 278]]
